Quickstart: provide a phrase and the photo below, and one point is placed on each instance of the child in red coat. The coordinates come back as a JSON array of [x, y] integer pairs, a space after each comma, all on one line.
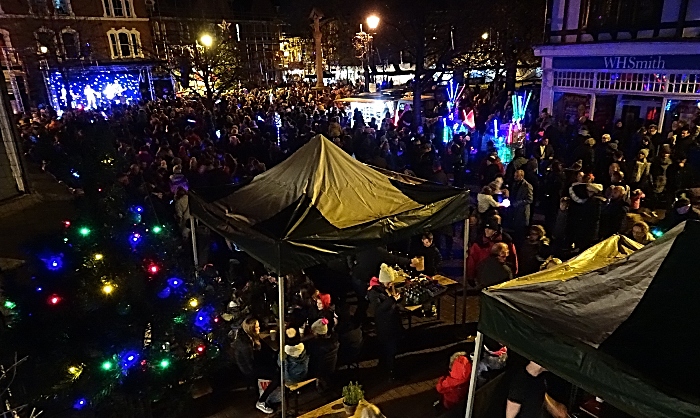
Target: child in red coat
[[453, 387]]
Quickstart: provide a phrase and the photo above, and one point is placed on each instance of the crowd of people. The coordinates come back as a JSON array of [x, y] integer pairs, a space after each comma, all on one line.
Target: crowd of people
[[567, 189]]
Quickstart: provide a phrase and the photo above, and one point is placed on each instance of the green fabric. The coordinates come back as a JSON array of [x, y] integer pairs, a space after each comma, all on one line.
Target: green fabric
[[581, 364]]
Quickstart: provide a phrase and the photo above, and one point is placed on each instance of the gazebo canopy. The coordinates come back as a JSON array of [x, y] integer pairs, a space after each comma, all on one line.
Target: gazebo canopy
[[321, 203]]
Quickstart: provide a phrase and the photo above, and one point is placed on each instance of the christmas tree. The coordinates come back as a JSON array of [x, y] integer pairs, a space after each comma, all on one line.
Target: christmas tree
[[111, 315]]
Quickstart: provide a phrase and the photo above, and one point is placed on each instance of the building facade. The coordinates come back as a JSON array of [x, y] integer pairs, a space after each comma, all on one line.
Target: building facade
[[92, 52], [632, 60]]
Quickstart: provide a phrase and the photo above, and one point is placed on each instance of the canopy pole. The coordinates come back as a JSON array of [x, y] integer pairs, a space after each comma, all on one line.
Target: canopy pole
[[195, 256], [472, 379], [464, 271], [282, 335]]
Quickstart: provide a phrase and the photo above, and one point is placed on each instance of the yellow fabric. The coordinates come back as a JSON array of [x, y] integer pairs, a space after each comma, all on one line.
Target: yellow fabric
[[600, 255], [345, 191]]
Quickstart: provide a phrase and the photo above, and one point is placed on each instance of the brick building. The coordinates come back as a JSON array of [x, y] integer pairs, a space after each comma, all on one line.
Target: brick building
[[96, 51]]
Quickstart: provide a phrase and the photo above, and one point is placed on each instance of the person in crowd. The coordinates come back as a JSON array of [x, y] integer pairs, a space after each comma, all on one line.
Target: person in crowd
[[534, 251], [453, 387], [323, 352], [640, 170], [583, 214], [636, 197], [491, 170], [486, 205], [430, 253], [682, 211], [658, 173], [613, 213], [481, 248], [255, 361], [521, 198], [516, 164], [296, 359], [387, 316], [543, 153], [494, 269], [586, 154], [641, 234]]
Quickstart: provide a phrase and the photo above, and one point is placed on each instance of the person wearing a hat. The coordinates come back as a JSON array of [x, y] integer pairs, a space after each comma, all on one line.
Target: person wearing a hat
[[658, 171], [296, 360], [494, 269], [682, 211], [384, 300], [481, 248], [323, 352], [640, 170]]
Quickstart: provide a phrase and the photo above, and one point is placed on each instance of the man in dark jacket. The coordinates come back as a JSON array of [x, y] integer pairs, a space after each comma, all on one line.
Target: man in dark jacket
[[614, 213], [494, 270], [534, 251], [430, 253], [583, 217], [367, 264], [521, 197]]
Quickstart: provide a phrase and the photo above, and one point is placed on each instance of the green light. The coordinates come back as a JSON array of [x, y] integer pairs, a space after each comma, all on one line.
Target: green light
[[84, 231], [107, 365], [165, 363], [10, 304], [180, 319], [157, 229]]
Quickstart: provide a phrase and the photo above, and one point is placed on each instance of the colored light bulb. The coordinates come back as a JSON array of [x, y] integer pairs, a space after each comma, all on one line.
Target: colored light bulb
[[194, 302], [66, 223], [10, 304], [200, 348], [99, 257], [84, 231], [157, 229], [165, 363], [153, 269], [107, 365], [107, 289], [80, 404], [54, 299]]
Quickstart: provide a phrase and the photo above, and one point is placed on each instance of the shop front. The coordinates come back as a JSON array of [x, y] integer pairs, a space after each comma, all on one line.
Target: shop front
[[639, 84]]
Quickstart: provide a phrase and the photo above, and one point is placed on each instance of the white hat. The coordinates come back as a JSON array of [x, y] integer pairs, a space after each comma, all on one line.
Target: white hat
[[386, 274]]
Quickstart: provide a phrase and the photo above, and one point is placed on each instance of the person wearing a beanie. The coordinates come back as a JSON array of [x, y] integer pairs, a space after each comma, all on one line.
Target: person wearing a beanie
[[640, 170], [323, 352], [296, 360], [383, 298], [583, 215]]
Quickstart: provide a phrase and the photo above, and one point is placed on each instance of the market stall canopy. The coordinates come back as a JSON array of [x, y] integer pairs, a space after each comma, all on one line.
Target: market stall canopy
[[321, 203], [623, 327]]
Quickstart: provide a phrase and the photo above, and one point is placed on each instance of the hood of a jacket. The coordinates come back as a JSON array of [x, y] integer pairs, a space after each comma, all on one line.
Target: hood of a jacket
[[294, 350], [461, 368]]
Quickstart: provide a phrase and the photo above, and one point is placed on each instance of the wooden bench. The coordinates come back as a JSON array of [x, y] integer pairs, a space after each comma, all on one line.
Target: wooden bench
[[295, 389]]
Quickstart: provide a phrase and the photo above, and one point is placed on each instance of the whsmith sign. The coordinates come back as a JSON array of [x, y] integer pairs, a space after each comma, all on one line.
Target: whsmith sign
[[627, 62]]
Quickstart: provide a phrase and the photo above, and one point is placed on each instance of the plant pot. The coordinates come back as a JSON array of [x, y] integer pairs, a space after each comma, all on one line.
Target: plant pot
[[349, 409]]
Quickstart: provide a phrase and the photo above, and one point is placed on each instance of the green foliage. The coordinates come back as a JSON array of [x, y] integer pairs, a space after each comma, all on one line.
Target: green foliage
[[353, 394]]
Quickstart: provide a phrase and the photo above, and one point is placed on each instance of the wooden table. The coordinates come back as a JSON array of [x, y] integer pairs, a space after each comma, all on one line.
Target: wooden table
[[334, 409], [442, 281]]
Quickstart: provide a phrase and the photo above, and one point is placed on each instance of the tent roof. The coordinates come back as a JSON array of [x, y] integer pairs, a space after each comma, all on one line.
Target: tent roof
[[320, 203], [621, 327]]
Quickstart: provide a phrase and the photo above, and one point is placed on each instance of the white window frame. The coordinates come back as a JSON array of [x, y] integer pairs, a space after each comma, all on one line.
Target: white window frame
[[75, 33], [127, 6], [38, 40], [130, 33]]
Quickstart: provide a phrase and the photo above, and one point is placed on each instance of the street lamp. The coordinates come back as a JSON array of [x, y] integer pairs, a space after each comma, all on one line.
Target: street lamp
[[485, 36], [372, 22], [206, 40]]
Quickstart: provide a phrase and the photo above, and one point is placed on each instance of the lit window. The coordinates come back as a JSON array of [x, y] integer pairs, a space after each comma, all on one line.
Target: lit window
[[118, 8], [62, 7]]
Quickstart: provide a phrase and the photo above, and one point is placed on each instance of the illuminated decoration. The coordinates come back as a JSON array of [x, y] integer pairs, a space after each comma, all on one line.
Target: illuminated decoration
[[54, 300], [165, 293], [153, 268], [66, 224], [107, 288], [201, 348], [54, 263], [92, 89], [180, 319], [135, 238], [469, 119], [157, 229], [520, 107], [203, 319], [193, 303], [9, 304], [174, 282], [75, 174], [164, 364], [657, 233], [505, 203], [137, 209], [107, 365], [80, 404], [98, 257], [75, 371], [129, 359], [84, 231]]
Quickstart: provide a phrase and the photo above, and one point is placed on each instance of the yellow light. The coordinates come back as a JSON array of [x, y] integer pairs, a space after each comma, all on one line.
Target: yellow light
[[206, 40], [485, 36], [107, 289], [72, 370], [373, 22], [194, 302], [43, 49], [99, 257], [75, 371]]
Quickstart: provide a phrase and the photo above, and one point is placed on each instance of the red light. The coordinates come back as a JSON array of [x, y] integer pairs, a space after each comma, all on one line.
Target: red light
[[54, 299], [66, 223], [153, 269], [200, 349], [216, 319]]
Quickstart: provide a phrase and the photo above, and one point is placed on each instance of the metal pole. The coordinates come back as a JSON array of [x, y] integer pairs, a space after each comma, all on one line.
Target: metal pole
[[195, 255], [464, 271], [280, 324], [319, 51], [472, 379]]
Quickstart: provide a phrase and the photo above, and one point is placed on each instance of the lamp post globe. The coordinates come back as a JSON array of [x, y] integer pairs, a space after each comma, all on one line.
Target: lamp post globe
[[372, 22], [206, 40], [485, 36]]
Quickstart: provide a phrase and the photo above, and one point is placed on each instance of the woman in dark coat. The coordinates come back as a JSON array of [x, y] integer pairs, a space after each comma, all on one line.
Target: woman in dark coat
[[256, 360], [388, 319]]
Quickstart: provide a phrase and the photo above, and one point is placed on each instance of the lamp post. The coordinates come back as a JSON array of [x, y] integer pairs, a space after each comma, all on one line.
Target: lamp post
[[206, 40], [316, 15], [372, 24]]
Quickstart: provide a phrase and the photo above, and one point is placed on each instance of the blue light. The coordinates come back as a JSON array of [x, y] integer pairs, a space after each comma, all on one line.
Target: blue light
[[657, 233], [129, 359], [80, 404], [668, 105], [54, 262], [38, 289], [135, 238], [137, 209], [203, 318], [174, 282], [163, 294], [75, 174]]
